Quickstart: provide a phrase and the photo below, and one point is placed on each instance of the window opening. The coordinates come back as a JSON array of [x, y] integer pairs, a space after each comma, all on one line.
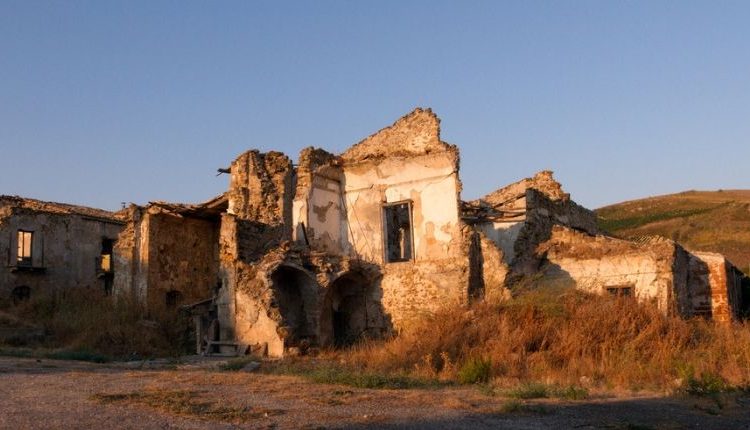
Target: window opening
[[398, 232], [620, 290], [105, 260], [21, 294], [25, 239]]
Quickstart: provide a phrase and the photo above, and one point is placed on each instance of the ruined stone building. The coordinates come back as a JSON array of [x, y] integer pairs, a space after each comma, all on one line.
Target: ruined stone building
[[341, 246], [48, 245]]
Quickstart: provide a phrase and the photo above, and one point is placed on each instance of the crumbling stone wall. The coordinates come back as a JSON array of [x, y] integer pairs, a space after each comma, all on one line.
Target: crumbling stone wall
[[160, 252], [318, 214], [66, 245], [407, 162], [289, 298], [183, 259], [261, 188], [596, 263], [258, 221], [340, 201], [521, 216]]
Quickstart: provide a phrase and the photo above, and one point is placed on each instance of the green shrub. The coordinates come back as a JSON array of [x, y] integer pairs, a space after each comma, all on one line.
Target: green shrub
[[474, 371], [571, 392], [530, 390]]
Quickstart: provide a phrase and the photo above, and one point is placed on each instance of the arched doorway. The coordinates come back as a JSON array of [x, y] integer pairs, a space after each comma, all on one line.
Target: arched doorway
[[350, 310], [295, 292]]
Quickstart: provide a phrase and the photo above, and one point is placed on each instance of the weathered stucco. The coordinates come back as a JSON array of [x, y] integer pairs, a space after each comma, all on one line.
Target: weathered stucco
[[596, 263], [66, 246]]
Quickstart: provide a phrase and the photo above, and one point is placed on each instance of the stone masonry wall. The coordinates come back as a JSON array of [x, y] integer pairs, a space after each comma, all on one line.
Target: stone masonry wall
[[183, 258], [66, 246]]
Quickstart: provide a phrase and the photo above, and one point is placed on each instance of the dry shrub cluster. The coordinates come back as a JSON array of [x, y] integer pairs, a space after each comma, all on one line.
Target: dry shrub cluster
[[565, 338], [87, 321]]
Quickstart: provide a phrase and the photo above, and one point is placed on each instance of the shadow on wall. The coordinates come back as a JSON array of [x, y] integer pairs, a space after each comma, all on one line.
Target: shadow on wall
[[700, 303], [549, 275], [347, 309]]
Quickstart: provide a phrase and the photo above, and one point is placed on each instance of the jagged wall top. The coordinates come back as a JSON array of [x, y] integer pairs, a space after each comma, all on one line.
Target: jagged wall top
[[543, 182], [416, 133]]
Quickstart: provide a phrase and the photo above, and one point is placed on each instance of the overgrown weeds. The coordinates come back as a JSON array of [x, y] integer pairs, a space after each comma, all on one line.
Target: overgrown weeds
[[568, 339], [84, 324]]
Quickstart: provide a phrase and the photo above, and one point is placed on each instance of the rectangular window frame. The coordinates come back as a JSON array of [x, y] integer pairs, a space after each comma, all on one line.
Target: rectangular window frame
[[25, 248], [620, 291], [385, 227]]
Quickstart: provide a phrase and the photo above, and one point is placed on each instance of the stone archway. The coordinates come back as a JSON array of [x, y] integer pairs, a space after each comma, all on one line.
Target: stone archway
[[295, 294], [350, 311]]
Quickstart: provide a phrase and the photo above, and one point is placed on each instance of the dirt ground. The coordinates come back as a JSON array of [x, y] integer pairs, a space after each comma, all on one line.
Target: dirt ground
[[64, 394]]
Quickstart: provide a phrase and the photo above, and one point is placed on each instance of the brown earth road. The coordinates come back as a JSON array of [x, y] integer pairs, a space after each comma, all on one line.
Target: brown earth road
[[68, 395]]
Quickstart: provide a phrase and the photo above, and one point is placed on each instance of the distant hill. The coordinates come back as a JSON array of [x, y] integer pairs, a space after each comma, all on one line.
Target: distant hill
[[717, 221]]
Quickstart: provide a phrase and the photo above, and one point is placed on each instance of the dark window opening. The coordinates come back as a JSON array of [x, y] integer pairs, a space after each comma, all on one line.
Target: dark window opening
[[398, 232], [25, 240], [105, 259], [173, 298], [20, 294], [620, 291]]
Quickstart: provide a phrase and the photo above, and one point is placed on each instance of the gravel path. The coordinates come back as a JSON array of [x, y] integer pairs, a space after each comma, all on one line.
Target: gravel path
[[59, 394]]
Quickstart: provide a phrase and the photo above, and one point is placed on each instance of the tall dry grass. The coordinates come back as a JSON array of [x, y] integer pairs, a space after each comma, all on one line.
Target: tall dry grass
[[565, 338], [85, 320]]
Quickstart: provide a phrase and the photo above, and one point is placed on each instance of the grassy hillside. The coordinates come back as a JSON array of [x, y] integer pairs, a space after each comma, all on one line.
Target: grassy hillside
[[717, 221]]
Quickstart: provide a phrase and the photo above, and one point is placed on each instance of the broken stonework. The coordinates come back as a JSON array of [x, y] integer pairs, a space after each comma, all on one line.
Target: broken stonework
[[351, 246]]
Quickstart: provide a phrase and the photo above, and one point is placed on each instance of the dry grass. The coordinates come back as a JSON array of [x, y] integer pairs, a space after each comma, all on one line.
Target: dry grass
[[565, 340], [80, 323]]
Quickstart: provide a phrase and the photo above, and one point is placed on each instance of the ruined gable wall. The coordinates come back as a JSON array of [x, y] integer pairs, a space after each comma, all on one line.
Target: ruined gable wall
[[416, 133], [67, 246], [408, 162], [593, 263], [525, 213], [183, 257]]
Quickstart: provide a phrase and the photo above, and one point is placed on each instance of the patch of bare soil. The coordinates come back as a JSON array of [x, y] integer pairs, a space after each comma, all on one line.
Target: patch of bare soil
[[60, 394]]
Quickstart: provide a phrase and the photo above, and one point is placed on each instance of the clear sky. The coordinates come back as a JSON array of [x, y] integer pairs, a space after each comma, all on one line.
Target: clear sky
[[105, 102]]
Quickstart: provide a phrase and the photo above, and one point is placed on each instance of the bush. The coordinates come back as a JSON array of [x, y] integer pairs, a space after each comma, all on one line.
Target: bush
[[474, 371]]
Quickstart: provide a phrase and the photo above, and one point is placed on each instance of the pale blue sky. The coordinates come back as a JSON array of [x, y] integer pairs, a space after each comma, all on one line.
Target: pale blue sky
[[103, 101]]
